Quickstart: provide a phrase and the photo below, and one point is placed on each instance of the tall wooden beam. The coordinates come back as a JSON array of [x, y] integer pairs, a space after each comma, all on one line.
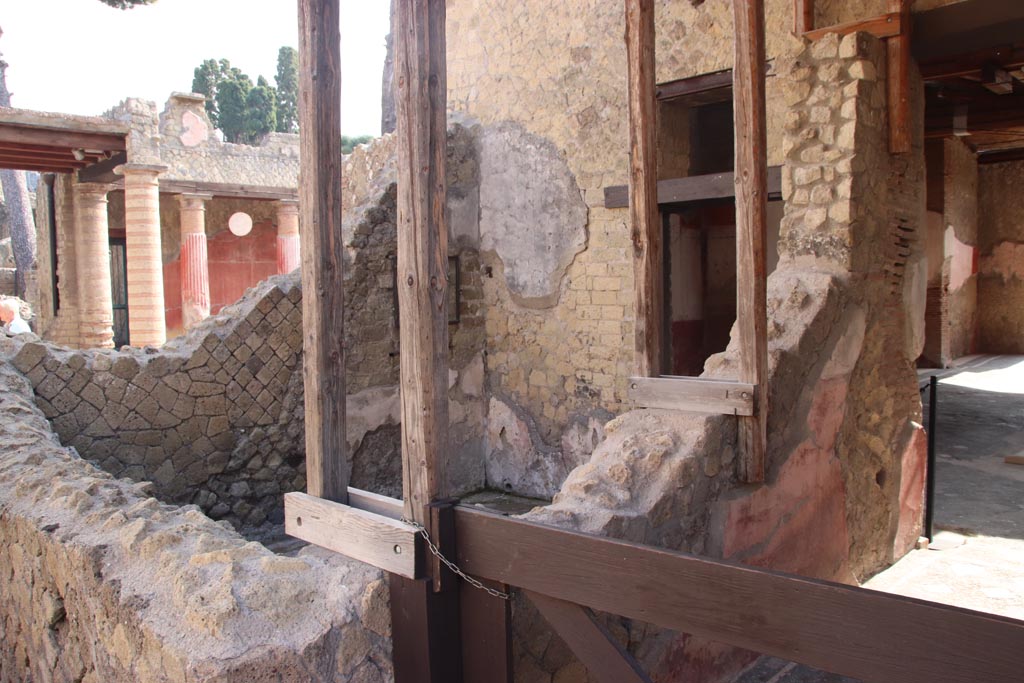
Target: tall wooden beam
[[898, 81], [424, 612], [751, 177], [803, 16], [422, 250], [643, 188], [323, 362]]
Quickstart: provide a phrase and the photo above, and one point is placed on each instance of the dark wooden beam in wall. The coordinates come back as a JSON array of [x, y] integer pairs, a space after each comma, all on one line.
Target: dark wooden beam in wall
[[883, 26], [898, 81], [327, 469], [693, 189], [697, 90], [803, 16], [751, 178], [1000, 156], [643, 191]]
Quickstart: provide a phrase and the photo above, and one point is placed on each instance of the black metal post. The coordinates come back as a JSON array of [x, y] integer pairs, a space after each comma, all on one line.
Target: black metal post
[[929, 504]]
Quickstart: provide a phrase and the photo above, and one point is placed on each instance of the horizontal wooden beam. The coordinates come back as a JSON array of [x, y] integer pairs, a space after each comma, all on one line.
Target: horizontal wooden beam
[[1002, 155], [41, 166], [851, 631], [696, 85], [971, 65], [883, 26], [690, 394], [228, 189], [369, 537], [593, 644], [45, 137], [693, 189]]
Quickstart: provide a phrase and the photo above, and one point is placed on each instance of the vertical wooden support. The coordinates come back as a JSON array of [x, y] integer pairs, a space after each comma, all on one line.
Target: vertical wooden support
[[898, 80], [425, 612], [323, 363], [422, 250], [803, 16], [643, 188], [486, 623], [751, 179]]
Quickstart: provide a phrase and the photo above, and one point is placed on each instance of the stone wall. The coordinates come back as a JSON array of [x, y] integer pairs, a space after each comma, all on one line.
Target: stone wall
[[1001, 245], [103, 584], [844, 488], [961, 244]]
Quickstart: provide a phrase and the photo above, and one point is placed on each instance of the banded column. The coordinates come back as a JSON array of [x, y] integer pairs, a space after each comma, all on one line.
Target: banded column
[[92, 249], [195, 271], [147, 324], [287, 235]]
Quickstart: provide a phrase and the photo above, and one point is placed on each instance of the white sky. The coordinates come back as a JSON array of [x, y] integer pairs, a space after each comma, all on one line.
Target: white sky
[[83, 57]]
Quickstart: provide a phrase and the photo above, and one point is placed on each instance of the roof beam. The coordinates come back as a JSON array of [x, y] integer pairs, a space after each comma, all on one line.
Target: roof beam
[[966, 27], [46, 137]]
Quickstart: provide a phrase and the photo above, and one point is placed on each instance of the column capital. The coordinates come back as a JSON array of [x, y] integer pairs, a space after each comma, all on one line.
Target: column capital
[[92, 189], [140, 169], [195, 201], [287, 206]]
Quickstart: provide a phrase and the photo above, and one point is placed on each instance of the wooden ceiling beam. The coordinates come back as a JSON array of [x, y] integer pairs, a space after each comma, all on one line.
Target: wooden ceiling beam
[[883, 26], [1001, 155], [44, 137], [41, 167], [965, 27]]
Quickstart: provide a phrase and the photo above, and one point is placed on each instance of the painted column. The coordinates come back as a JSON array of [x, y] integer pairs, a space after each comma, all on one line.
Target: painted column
[[92, 249], [147, 325], [287, 235], [195, 271]]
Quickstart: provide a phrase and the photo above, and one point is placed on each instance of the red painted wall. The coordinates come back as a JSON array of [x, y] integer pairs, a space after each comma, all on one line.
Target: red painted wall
[[236, 264]]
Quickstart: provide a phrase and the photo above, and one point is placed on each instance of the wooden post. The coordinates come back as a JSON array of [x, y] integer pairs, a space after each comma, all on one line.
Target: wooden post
[[323, 358], [422, 250], [751, 177], [643, 188], [803, 16], [425, 612], [898, 80]]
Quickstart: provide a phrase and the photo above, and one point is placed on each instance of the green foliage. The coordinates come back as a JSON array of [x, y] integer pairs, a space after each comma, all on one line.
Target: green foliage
[[260, 112], [287, 90], [349, 143], [242, 111], [231, 104], [127, 4]]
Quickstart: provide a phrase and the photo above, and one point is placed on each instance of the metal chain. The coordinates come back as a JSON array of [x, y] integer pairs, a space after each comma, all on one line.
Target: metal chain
[[451, 565]]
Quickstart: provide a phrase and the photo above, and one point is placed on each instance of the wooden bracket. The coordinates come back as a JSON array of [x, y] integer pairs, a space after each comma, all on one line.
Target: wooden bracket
[[714, 396], [369, 537], [588, 638]]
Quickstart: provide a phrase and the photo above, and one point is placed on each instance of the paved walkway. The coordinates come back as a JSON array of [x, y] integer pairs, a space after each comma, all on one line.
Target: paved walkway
[[977, 557]]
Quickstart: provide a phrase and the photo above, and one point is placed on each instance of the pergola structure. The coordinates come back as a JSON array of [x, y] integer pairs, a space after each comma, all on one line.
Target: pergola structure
[[449, 629]]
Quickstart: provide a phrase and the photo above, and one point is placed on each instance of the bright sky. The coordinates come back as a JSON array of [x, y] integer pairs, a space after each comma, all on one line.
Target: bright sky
[[83, 57]]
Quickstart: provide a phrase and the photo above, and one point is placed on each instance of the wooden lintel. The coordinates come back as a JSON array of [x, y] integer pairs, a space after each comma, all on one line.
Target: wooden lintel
[[643, 189], [693, 189], [383, 542], [323, 356], [694, 395], [898, 80], [233, 190], [884, 26], [605, 659], [716, 81], [879, 637], [751, 178]]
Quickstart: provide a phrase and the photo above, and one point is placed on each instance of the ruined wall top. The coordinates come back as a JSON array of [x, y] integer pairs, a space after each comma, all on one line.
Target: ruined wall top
[[182, 138]]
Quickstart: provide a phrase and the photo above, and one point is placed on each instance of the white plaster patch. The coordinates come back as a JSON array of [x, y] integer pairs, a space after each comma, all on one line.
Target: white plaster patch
[[472, 382], [532, 214], [961, 260], [1006, 260], [368, 410], [915, 299], [847, 350], [513, 463], [194, 130]]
